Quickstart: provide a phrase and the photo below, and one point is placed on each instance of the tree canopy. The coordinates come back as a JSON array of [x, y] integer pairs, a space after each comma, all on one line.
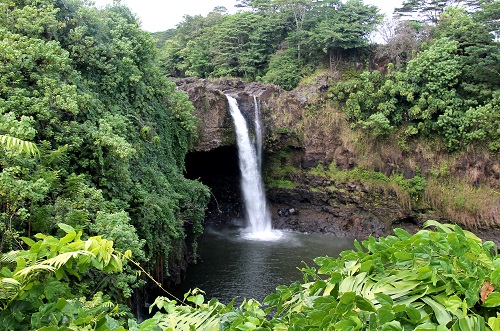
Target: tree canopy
[[81, 86], [245, 44]]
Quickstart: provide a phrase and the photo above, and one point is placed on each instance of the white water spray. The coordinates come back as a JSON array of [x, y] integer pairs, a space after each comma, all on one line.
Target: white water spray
[[258, 132], [252, 187]]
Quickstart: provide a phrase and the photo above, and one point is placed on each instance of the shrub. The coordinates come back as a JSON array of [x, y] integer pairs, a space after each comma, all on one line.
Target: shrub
[[284, 70], [444, 279]]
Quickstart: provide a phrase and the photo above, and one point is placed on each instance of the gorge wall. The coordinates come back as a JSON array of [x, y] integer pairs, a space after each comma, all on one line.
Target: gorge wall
[[306, 140]]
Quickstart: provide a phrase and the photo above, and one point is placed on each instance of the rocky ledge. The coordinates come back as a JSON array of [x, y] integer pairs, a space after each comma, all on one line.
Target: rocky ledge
[[293, 120], [345, 210]]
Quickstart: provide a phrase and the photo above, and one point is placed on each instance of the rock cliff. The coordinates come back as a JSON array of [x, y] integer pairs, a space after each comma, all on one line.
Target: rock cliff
[[211, 107], [303, 131]]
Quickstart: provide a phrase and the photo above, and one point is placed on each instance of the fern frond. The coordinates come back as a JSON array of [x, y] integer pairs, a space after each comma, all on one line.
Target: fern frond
[[9, 287], [25, 272], [51, 264], [63, 258], [19, 145], [191, 319], [7, 259]]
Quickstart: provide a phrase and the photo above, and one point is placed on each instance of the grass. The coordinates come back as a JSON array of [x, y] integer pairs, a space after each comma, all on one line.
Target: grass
[[371, 180], [281, 183], [460, 202]]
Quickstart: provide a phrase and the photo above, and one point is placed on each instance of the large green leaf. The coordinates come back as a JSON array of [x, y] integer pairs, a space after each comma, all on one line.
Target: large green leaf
[[442, 315], [493, 300]]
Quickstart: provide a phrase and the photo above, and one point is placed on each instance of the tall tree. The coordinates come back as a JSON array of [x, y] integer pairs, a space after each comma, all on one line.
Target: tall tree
[[298, 10], [430, 10], [342, 26]]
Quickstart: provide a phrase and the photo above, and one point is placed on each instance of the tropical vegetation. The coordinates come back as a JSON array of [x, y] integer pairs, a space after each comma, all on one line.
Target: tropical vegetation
[[94, 137], [436, 73], [441, 279], [93, 198], [276, 41]]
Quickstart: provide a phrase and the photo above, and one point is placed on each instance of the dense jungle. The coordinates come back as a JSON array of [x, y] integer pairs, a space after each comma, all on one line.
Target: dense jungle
[[386, 130]]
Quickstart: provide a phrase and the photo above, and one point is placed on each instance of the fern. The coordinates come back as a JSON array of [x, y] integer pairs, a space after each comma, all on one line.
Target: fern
[[205, 316], [7, 259], [19, 145], [204, 320], [61, 259], [9, 287], [27, 271]]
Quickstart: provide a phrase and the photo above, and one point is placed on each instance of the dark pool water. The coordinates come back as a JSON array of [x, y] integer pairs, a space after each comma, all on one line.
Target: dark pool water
[[232, 266]]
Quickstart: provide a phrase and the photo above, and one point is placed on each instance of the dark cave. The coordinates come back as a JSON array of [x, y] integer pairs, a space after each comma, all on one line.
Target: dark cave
[[219, 170]]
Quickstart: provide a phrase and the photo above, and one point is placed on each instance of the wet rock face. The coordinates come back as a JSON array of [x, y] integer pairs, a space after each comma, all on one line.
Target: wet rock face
[[216, 127], [345, 210]]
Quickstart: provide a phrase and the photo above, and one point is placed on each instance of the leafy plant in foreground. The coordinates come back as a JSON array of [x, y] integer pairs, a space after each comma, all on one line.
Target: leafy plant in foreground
[[35, 291], [428, 281], [433, 280]]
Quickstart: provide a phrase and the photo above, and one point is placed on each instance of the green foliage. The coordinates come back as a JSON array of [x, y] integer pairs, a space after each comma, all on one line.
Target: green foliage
[[402, 281], [282, 183], [83, 86], [342, 25], [435, 94], [17, 145], [442, 279], [284, 70], [483, 123], [377, 124], [276, 40], [34, 283], [414, 186], [432, 280]]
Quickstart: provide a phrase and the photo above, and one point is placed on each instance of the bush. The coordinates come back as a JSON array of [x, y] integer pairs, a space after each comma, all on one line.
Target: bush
[[284, 70], [433, 280], [377, 124]]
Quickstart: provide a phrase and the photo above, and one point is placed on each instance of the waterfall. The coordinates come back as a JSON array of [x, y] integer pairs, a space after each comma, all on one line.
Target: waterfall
[[258, 132], [257, 213]]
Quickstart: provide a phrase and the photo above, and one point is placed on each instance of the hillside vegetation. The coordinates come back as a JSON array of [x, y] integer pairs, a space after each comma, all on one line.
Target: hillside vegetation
[[437, 76], [94, 137], [93, 199]]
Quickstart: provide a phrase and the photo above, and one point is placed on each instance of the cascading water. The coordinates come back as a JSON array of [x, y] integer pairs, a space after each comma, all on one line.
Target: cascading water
[[258, 132], [252, 187]]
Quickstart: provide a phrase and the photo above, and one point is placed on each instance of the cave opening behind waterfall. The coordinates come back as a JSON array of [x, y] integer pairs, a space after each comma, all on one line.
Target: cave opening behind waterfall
[[219, 170]]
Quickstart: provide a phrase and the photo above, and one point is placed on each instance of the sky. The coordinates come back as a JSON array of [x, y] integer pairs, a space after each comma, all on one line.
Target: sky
[[161, 15]]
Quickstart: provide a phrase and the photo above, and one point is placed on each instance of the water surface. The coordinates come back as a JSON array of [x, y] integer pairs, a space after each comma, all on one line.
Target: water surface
[[232, 266]]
